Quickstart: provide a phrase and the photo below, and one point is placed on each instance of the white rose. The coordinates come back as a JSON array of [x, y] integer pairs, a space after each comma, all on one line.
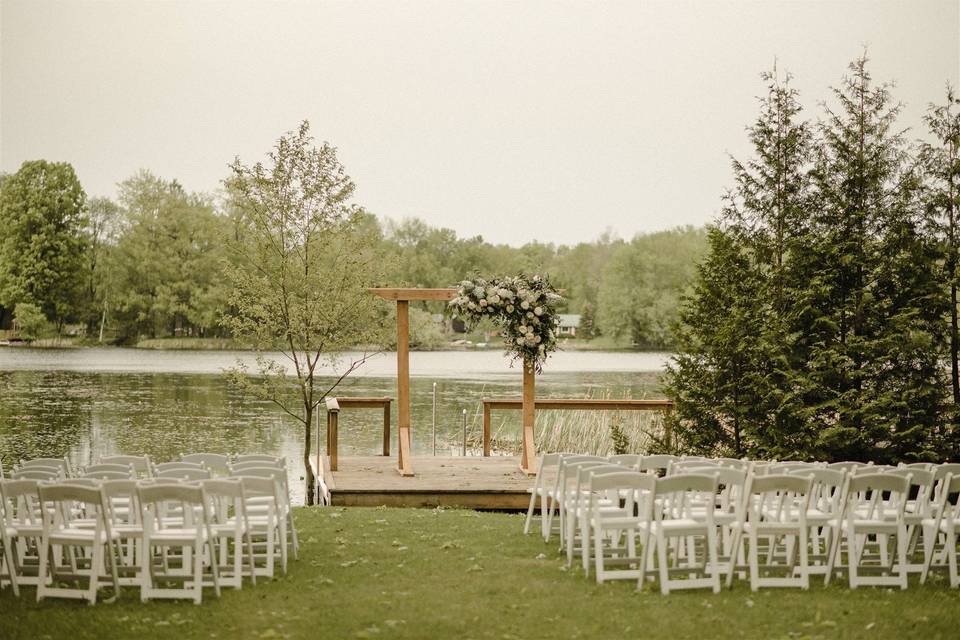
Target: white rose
[[483, 302], [524, 305], [529, 314], [530, 330], [519, 340], [495, 299], [538, 339], [538, 311], [530, 341], [509, 308]]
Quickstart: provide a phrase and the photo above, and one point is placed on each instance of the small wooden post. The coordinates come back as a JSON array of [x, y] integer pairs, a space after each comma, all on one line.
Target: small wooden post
[[403, 388], [332, 415], [486, 429], [528, 459], [386, 429], [403, 296]]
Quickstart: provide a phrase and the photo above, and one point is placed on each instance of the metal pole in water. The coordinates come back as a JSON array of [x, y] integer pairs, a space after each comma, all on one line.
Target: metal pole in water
[[434, 418], [464, 453]]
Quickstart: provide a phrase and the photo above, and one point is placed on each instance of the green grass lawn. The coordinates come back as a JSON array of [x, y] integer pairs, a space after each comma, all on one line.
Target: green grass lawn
[[406, 573]]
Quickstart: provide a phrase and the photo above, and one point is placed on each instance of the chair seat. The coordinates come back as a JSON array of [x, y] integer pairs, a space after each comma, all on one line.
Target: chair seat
[[186, 536], [680, 524], [77, 535], [230, 526], [28, 530]]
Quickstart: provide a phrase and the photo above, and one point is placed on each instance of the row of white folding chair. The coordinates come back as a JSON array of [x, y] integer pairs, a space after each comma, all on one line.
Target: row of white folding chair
[[548, 496], [128, 530]]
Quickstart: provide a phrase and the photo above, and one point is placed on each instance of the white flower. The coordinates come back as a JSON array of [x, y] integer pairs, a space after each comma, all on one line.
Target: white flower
[[538, 311], [472, 306], [509, 308], [538, 339], [519, 340], [529, 314], [524, 305], [483, 302], [495, 299]]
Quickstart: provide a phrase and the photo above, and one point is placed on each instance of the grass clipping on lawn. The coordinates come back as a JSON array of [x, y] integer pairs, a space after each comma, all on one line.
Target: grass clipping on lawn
[[415, 573]]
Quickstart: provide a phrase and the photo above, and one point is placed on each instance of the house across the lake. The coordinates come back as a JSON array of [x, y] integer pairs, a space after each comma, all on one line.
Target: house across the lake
[[569, 323]]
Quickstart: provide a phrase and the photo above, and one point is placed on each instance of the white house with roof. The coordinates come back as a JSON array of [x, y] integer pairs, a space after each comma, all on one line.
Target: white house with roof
[[569, 323]]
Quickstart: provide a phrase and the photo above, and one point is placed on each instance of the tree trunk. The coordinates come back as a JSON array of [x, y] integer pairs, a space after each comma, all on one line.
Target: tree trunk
[[310, 477], [954, 367]]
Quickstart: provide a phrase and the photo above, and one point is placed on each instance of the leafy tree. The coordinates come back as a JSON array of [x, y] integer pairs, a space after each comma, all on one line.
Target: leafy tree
[[31, 323], [300, 275], [43, 244], [104, 217], [642, 284], [166, 266]]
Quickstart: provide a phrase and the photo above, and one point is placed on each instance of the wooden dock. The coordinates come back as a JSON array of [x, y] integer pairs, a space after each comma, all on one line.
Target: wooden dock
[[473, 482]]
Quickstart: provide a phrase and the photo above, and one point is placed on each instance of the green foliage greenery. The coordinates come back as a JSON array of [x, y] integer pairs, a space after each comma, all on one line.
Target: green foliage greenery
[[816, 326], [31, 323], [299, 274]]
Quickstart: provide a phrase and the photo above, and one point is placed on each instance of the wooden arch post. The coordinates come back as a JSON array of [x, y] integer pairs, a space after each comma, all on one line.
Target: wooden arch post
[[528, 457], [403, 298]]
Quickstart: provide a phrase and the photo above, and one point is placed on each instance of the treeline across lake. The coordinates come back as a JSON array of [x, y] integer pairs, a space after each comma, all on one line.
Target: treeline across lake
[[151, 263]]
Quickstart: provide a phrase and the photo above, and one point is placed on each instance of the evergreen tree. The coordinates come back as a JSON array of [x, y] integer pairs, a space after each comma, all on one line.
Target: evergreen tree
[[941, 163], [870, 331], [734, 335], [712, 379]]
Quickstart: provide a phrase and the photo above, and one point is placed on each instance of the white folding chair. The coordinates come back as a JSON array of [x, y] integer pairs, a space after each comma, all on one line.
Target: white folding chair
[[540, 491], [919, 507], [266, 524], [823, 513], [42, 474], [945, 523], [59, 463], [24, 516], [8, 569], [141, 464], [185, 474], [278, 473], [629, 460], [777, 509], [656, 463], [230, 528], [873, 506], [125, 522], [564, 487], [615, 532], [676, 520], [192, 535], [69, 509], [577, 509], [217, 463]]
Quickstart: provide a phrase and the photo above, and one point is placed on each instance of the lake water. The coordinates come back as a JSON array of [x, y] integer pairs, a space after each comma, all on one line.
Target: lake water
[[85, 403]]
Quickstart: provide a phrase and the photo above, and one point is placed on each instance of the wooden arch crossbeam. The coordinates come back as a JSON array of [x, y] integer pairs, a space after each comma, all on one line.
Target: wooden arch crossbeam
[[403, 296]]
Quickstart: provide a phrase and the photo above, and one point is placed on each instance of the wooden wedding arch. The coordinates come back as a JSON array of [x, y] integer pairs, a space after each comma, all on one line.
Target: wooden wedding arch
[[403, 296]]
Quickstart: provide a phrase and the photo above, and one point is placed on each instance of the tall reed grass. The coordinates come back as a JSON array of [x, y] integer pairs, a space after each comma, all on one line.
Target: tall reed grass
[[589, 432]]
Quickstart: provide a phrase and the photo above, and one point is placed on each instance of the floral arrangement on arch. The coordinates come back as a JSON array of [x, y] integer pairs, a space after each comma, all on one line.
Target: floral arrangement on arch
[[525, 307]]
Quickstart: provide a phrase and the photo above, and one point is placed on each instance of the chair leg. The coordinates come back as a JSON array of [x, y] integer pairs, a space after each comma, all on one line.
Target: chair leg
[[42, 571], [533, 502], [662, 561]]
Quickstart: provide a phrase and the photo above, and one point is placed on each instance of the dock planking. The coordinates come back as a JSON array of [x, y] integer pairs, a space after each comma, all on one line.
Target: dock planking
[[495, 482]]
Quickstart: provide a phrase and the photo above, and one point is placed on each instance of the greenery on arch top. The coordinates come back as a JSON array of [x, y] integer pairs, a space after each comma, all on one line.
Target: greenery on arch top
[[525, 307]]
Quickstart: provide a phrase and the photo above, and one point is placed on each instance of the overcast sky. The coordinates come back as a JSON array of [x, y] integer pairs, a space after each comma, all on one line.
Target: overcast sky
[[525, 120]]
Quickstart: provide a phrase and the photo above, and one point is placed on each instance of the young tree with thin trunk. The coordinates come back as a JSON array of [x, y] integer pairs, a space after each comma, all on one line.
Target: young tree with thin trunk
[[300, 273]]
